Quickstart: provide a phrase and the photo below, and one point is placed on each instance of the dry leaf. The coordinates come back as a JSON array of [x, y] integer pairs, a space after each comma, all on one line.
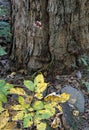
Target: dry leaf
[[76, 113], [59, 108], [56, 123], [12, 75]]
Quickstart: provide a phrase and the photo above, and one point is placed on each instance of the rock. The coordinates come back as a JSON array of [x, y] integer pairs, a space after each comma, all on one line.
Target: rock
[[75, 95], [67, 118], [86, 128]]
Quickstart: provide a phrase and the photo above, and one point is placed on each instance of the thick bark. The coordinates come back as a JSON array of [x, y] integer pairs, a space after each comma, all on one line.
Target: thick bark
[[30, 44], [64, 32]]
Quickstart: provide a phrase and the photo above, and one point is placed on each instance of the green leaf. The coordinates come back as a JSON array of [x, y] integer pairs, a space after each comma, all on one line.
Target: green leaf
[[2, 83], [29, 84], [38, 105], [8, 86], [2, 51], [3, 98], [44, 114], [5, 30], [27, 122], [84, 61], [1, 108]]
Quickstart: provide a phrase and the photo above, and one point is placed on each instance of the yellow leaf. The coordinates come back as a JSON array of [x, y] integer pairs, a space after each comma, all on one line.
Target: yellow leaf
[[64, 97], [9, 126], [30, 109], [41, 87], [51, 107], [38, 95], [18, 116], [21, 100], [53, 97], [39, 79], [18, 91], [36, 121], [30, 123], [4, 117], [56, 123], [17, 107], [53, 103], [41, 126], [26, 106]]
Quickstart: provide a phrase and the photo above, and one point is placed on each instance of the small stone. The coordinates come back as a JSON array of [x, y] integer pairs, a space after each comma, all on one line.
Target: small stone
[[78, 75], [76, 95]]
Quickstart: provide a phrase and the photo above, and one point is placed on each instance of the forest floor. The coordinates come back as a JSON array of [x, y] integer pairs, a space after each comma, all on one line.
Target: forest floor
[[78, 83], [78, 80]]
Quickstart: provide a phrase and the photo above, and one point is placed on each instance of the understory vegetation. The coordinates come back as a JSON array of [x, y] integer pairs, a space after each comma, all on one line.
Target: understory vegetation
[[31, 106]]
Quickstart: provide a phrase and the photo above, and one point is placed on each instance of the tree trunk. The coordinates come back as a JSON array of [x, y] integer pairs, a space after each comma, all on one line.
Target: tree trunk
[[62, 35], [30, 43]]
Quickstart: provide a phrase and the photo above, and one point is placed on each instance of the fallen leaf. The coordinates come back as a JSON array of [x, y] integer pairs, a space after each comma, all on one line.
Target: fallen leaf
[[59, 108], [12, 75], [75, 112], [56, 123]]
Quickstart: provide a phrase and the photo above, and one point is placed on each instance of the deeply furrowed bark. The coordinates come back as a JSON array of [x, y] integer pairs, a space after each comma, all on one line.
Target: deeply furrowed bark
[[64, 32]]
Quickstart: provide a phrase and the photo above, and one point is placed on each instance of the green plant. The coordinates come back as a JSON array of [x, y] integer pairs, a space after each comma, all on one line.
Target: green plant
[[33, 108], [4, 91], [2, 51], [84, 60], [4, 10], [5, 31], [86, 84]]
